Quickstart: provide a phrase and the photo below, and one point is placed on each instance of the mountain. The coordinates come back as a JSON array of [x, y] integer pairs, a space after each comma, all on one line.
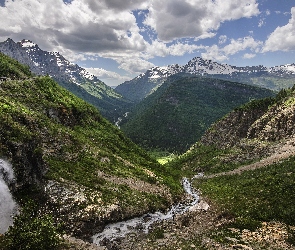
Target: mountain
[[73, 163], [147, 83], [274, 78], [179, 112], [69, 75]]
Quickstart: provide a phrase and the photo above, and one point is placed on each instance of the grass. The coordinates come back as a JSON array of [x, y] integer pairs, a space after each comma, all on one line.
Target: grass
[[162, 157], [74, 142], [264, 194]]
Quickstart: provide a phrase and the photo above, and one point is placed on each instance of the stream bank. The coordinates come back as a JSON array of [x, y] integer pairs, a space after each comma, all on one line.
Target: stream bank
[[142, 225]]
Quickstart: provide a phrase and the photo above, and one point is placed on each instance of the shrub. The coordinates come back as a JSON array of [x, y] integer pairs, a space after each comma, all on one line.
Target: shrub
[[32, 231]]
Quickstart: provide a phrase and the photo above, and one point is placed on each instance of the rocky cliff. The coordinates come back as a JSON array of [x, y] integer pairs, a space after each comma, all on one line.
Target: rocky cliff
[[257, 127]]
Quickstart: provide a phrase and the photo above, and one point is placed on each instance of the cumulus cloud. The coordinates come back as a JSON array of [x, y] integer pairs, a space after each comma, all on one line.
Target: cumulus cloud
[[234, 47], [82, 25], [241, 44], [249, 56], [214, 53], [82, 29], [192, 18], [158, 48], [282, 38], [77, 28], [222, 39], [134, 65]]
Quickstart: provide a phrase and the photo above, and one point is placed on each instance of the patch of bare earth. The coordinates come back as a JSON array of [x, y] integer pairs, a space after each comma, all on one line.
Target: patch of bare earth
[[280, 152], [137, 184]]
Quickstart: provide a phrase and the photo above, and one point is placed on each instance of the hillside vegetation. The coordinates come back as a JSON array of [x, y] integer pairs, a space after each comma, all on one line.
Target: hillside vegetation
[[78, 166], [248, 157], [248, 160], [139, 88], [179, 112]]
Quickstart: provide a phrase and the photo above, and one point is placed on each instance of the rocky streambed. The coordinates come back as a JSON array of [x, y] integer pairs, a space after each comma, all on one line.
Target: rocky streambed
[[144, 223]]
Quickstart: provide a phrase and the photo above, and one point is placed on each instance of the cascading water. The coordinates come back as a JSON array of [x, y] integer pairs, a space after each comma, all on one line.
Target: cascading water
[[143, 223], [8, 206]]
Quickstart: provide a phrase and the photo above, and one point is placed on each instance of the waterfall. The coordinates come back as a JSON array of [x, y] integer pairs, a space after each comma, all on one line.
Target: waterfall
[[8, 206]]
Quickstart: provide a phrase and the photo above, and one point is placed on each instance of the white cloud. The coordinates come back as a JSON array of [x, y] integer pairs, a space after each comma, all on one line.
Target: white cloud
[[241, 44], [214, 53], [192, 18], [134, 65], [158, 48], [282, 38], [261, 22], [222, 39], [249, 56], [82, 25], [78, 29], [85, 29], [234, 47], [180, 49], [105, 74]]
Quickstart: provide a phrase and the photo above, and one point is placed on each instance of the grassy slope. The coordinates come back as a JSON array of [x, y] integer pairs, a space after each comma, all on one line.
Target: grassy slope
[[265, 194], [253, 197], [71, 142]]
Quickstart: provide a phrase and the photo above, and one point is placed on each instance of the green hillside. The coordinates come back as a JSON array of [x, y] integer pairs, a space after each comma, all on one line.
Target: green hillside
[[139, 88], [13, 69], [80, 167], [110, 104], [180, 111], [248, 161]]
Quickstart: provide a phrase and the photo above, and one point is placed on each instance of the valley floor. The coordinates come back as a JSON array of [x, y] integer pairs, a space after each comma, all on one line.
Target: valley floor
[[197, 230], [210, 229]]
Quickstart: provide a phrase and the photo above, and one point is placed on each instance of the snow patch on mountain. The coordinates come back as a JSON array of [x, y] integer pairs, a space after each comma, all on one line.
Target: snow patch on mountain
[[44, 62], [203, 67], [284, 69], [27, 44]]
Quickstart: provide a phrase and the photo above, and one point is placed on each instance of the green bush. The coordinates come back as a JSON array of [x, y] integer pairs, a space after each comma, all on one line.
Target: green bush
[[32, 231]]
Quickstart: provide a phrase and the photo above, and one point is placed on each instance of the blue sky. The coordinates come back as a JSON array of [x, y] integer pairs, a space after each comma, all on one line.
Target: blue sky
[[117, 40]]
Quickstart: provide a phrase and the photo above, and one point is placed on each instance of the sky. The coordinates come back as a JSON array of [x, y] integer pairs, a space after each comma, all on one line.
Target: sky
[[116, 40]]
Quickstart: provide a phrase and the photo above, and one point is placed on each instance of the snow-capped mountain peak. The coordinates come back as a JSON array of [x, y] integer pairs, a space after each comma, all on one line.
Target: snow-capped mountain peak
[[283, 69], [27, 43]]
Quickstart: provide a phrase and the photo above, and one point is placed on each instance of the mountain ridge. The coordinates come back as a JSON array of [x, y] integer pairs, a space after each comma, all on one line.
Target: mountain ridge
[[268, 77], [67, 74]]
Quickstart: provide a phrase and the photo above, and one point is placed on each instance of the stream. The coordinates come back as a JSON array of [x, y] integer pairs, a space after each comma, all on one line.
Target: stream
[[143, 223]]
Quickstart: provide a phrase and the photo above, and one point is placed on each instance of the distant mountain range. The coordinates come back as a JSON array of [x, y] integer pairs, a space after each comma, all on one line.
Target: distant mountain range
[[274, 78], [69, 75]]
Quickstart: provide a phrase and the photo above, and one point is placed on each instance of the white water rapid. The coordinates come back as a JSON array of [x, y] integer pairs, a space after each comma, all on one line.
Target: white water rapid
[[143, 223], [8, 206]]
